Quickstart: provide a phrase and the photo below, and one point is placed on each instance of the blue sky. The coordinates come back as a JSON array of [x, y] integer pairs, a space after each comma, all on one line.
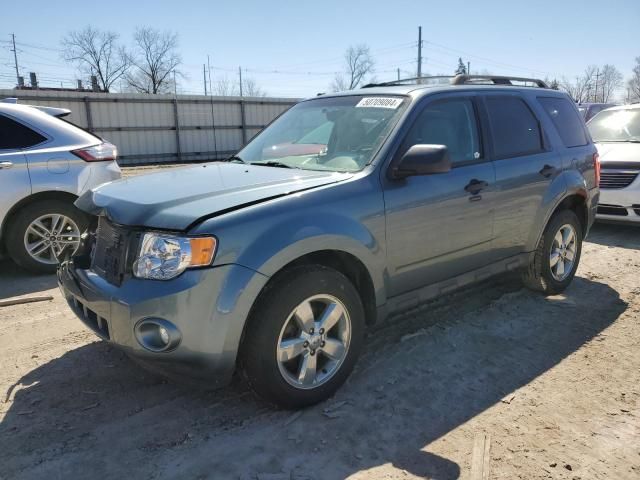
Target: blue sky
[[293, 48]]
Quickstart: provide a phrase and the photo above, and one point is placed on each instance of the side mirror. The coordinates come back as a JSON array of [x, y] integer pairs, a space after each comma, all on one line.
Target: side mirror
[[422, 160]]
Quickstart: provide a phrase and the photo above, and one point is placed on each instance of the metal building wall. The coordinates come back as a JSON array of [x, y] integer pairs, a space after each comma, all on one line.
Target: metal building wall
[[160, 128]]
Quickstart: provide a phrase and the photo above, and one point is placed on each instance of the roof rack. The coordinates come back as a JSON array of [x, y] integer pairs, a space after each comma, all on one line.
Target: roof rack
[[403, 81], [495, 80], [464, 80]]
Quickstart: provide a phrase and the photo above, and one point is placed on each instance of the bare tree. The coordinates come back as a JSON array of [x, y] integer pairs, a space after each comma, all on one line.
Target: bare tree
[[96, 52], [583, 87], [358, 64], [611, 81], [634, 83], [251, 89], [154, 58], [226, 87]]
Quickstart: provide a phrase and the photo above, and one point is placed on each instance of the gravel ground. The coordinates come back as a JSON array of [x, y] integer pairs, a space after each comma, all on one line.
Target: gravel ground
[[495, 379]]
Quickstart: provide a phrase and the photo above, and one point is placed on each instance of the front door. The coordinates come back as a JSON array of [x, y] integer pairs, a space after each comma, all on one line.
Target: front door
[[441, 225]]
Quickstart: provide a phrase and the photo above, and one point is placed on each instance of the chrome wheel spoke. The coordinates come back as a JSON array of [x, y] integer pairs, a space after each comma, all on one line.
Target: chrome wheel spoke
[[555, 257], [560, 268], [330, 316], [37, 228], [290, 349], [304, 316], [308, 367], [334, 349], [570, 255], [567, 236], [37, 248]]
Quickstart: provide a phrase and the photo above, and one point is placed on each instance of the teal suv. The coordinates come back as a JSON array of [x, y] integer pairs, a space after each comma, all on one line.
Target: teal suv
[[347, 208]]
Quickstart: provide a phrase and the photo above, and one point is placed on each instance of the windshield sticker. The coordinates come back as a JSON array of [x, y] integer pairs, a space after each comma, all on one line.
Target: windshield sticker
[[380, 102]]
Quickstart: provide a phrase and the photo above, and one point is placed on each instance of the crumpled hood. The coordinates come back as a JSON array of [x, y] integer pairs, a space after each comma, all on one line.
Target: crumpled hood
[[177, 198], [618, 152]]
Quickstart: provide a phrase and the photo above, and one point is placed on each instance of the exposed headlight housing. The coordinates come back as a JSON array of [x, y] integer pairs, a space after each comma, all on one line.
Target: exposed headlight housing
[[164, 256]]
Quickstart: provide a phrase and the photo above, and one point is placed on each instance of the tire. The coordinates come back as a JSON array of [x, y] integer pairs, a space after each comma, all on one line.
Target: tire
[[540, 275], [73, 221], [274, 331]]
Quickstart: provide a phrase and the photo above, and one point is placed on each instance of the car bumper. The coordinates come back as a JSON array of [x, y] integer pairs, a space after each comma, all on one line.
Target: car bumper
[[620, 205], [208, 307]]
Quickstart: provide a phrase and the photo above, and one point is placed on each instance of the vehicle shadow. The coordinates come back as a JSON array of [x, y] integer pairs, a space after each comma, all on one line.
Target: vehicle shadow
[[615, 235], [93, 410], [15, 281]]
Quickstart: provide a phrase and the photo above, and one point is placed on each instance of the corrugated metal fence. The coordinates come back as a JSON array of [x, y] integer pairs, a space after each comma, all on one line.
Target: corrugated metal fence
[[163, 128]]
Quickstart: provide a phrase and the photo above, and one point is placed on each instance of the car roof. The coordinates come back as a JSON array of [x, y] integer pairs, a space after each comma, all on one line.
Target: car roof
[[62, 131], [632, 106]]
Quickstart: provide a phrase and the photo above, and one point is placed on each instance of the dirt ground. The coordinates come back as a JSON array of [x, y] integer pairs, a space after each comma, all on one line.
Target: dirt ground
[[494, 380]]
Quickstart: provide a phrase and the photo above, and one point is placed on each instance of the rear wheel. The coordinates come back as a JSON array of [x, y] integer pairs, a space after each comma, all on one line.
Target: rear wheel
[[41, 231], [555, 261], [304, 337]]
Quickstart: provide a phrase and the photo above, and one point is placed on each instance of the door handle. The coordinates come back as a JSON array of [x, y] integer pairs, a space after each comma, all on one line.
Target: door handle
[[5, 165], [548, 170], [475, 186]]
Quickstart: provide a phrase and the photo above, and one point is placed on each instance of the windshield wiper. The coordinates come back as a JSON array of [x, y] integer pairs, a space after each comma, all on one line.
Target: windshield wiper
[[234, 158], [272, 163]]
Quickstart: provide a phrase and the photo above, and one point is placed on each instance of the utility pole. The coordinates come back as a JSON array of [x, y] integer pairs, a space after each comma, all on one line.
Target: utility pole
[[240, 73], [468, 68], [595, 90], [175, 85], [204, 78], [209, 69], [398, 74], [15, 58], [419, 53]]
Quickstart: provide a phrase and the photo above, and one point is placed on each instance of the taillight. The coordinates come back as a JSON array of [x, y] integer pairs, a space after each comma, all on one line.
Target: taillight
[[102, 152], [596, 167]]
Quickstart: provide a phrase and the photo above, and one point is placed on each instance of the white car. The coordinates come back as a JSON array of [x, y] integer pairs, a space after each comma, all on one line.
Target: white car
[[45, 164], [616, 132]]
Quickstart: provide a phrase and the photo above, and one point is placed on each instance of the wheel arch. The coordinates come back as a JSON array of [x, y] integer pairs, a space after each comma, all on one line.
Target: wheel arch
[[30, 200], [574, 200]]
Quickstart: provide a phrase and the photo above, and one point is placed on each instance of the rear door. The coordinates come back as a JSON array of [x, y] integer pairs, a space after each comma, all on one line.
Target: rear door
[[441, 225], [15, 183], [525, 164]]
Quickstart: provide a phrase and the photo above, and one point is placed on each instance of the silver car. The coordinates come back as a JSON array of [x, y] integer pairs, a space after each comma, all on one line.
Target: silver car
[[45, 164], [616, 132]]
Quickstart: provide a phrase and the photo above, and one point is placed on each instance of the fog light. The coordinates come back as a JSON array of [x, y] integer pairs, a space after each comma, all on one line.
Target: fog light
[[157, 334]]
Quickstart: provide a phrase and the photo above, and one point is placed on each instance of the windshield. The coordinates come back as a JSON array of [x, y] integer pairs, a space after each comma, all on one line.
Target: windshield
[[616, 126], [339, 134]]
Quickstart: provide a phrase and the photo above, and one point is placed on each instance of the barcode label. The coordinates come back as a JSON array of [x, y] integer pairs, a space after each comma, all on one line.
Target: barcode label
[[380, 102]]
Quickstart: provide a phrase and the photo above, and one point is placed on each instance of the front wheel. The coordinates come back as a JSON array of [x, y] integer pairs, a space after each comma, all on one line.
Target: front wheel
[[554, 263], [304, 337]]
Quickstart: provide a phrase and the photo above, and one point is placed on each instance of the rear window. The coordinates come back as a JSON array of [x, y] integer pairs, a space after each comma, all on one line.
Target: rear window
[[15, 135], [566, 120], [514, 128]]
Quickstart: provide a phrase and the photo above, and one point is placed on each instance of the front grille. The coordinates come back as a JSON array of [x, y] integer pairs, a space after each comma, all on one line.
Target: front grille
[[110, 251], [605, 209], [617, 178], [90, 318]]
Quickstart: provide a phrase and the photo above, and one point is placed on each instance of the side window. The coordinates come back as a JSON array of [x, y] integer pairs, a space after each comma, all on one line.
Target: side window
[[15, 135], [566, 120], [514, 128], [450, 122]]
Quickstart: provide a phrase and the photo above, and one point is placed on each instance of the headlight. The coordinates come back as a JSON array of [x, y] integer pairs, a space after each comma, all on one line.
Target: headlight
[[164, 256]]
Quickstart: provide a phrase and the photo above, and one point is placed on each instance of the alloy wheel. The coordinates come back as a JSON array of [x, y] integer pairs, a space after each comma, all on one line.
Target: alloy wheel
[[314, 341], [48, 235], [563, 252]]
